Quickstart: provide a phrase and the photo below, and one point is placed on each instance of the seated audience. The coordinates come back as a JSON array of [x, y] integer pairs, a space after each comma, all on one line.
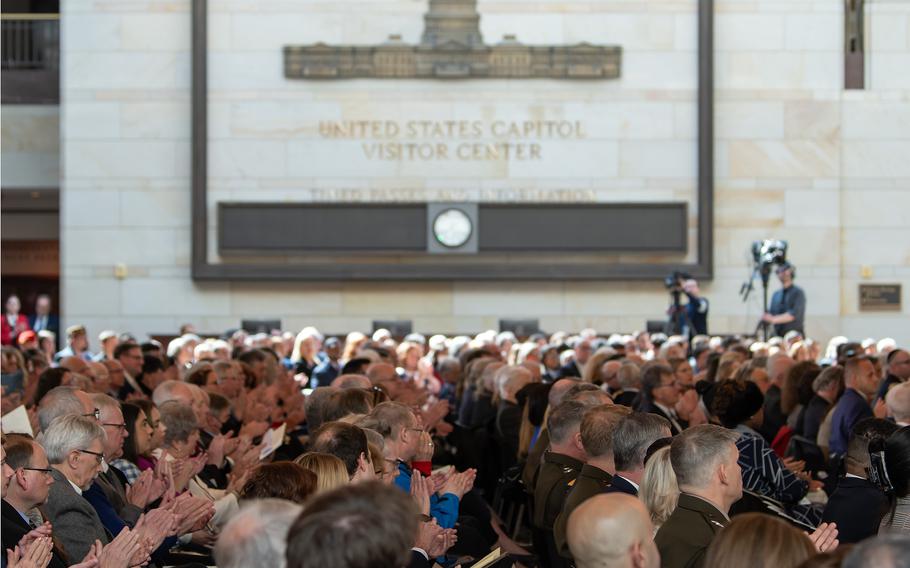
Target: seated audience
[[659, 395], [257, 535], [632, 437], [861, 384], [659, 490], [758, 540], [883, 551], [280, 480], [329, 470], [896, 470], [897, 402]]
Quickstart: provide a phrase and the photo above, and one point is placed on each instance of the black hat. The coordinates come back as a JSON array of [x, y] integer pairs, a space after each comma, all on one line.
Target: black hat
[[735, 401]]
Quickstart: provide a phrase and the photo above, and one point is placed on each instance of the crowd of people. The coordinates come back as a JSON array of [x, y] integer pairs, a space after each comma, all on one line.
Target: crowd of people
[[372, 451]]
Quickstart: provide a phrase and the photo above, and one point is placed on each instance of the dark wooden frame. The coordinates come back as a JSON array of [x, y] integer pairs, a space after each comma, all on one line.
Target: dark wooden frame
[[202, 270]]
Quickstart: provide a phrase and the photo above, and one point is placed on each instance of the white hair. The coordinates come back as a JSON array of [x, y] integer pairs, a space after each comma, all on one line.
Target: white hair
[[58, 401], [175, 345], [68, 433], [257, 535], [898, 402]]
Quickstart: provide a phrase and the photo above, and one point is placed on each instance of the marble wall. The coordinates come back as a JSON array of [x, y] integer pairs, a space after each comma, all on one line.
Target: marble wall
[[797, 157]]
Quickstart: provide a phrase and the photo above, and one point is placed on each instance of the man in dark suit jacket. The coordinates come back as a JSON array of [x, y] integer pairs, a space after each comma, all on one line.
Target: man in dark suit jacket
[[43, 319], [27, 490], [862, 384], [857, 505], [659, 395], [576, 366]]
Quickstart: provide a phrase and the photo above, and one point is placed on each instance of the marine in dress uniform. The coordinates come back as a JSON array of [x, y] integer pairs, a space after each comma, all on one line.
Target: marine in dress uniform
[[591, 481], [684, 539]]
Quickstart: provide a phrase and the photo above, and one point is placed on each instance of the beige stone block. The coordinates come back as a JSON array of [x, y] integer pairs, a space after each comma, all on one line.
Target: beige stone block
[[685, 120], [30, 128], [808, 208], [512, 299], [155, 208], [758, 70], [814, 31], [632, 120], [749, 32], [875, 208], [272, 31], [738, 120], [824, 70], [253, 71], [337, 326], [219, 30], [124, 159], [888, 70], [762, 208], [771, 159], [109, 246], [876, 158], [609, 300], [90, 209], [590, 159], [674, 159], [279, 299], [809, 246], [398, 300], [154, 120], [88, 120], [633, 31], [91, 297], [878, 325], [285, 119], [887, 30], [157, 32], [531, 28], [247, 158], [183, 297], [813, 120], [30, 170], [659, 70], [90, 32], [889, 246], [876, 120], [119, 70]]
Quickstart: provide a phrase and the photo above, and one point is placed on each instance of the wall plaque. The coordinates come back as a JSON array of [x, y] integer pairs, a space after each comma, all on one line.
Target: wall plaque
[[879, 297]]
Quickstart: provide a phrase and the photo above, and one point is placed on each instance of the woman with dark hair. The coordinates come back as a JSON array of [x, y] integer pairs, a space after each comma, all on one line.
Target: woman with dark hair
[[738, 405], [144, 459], [797, 391], [137, 443], [152, 375], [280, 480], [758, 540], [551, 370], [897, 466]]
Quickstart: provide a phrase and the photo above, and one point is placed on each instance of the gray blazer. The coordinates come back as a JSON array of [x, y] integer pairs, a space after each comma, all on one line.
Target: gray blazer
[[76, 524]]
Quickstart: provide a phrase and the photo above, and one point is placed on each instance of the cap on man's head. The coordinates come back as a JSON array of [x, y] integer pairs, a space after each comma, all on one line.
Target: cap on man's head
[[106, 334], [75, 330]]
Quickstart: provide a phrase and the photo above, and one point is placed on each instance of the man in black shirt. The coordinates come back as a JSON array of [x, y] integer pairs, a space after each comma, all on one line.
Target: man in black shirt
[[788, 305]]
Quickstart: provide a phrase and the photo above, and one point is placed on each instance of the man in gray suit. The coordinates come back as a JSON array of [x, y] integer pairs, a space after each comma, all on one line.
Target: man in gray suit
[[74, 447]]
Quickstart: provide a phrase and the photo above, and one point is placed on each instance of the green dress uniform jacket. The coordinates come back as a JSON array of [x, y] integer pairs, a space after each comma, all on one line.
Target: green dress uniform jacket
[[684, 539], [556, 471], [591, 481]]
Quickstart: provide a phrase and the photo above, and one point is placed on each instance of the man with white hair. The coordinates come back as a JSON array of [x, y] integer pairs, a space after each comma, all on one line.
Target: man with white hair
[[898, 402], [581, 353], [61, 401], [612, 531], [257, 535], [509, 380], [75, 451]]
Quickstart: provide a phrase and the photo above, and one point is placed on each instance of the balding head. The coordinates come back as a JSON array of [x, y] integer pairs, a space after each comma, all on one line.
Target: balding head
[[779, 365], [63, 401], [352, 382], [75, 365], [898, 402], [559, 390], [612, 530], [173, 390], [381, 372]]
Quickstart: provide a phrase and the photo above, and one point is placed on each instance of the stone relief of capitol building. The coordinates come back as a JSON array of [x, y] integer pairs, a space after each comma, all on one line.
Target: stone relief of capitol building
[[452, 47]]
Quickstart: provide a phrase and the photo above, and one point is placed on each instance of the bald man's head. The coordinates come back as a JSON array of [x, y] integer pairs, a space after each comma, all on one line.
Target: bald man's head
[[612, 530], [898, 401], [559, 390], [75, 365]]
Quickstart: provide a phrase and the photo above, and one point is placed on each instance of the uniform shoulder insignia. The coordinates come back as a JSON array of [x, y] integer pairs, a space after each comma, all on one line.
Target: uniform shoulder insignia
[[716, 524], [571, 483]]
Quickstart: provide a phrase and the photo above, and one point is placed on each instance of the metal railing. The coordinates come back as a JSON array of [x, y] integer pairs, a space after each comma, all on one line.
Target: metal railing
[[30, 58]]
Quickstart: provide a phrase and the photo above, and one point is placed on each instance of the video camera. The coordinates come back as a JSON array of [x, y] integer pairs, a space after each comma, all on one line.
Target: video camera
[[769, 252], [674, 281]]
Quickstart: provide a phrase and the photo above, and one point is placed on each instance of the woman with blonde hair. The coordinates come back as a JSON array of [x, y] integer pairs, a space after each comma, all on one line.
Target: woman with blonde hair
[[659, 491], [305, 356], [594, 368], [759, 541], [330, 470], [352, 344]]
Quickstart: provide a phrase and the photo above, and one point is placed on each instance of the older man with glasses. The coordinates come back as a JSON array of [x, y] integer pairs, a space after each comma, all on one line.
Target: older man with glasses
[[28, 489], [75, 451]]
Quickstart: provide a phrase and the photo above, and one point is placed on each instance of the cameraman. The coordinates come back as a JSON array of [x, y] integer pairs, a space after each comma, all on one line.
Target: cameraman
[[691, 319], [788, 305]]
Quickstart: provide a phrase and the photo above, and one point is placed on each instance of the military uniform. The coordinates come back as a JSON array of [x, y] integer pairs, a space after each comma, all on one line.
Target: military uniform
[[684, 539], [591, 481], [550, 490]]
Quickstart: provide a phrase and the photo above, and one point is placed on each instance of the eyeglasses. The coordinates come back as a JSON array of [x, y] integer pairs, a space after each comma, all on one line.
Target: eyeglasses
[[44, 470], [96, 414], [98, 455], [119, 426]]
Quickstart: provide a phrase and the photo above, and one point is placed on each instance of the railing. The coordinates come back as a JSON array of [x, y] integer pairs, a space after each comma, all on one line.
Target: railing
[[30, 58]]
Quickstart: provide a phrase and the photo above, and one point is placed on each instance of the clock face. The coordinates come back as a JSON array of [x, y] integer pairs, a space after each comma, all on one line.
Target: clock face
[[452, 228]]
